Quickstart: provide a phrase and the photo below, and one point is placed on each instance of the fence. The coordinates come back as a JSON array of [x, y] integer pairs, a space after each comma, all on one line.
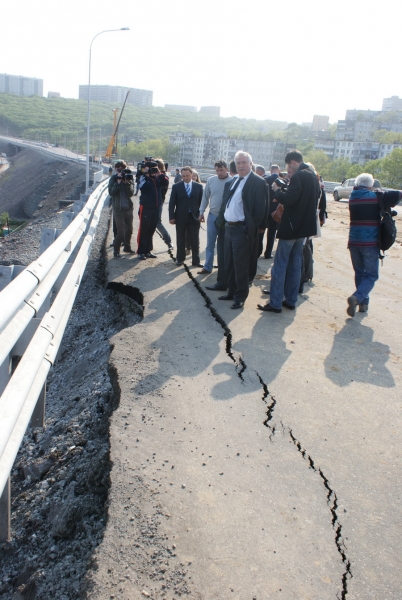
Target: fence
[[31, 330]]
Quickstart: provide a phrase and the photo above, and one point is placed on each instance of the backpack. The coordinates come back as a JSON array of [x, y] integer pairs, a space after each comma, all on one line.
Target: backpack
[[388, 230]]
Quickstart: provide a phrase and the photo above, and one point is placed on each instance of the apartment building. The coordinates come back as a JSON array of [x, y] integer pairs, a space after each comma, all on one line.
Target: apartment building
[[116, 94], [20, 86]]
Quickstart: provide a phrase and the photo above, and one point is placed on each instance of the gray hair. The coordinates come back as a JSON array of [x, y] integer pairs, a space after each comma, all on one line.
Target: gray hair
[[365, 180], [242, 153]]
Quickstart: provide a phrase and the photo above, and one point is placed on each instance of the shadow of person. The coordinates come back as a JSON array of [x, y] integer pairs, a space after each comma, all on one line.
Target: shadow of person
[[356, 357]]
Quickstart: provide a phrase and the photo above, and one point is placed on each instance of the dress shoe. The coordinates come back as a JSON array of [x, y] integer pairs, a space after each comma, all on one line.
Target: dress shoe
[[171, 247], [203, 272], [142, 257], [266, 291], [269, 308], [287, 305], [150, 255], [226, 297], [197, 265], [215, 287], [179, 263], [237, 304], [268, 256], [128, 250], [117, 255]]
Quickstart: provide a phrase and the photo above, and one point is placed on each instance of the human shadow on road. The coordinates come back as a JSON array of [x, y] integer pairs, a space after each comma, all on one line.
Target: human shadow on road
[[356, 357]]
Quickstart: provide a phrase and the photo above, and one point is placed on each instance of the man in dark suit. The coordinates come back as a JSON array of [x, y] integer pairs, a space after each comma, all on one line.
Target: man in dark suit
[[246, 206], [184, 210]]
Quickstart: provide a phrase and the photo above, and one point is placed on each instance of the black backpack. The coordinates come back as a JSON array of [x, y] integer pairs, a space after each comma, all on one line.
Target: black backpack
[[388, 230]]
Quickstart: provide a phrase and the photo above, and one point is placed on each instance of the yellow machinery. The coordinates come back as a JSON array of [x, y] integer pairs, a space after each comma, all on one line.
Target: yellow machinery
[[111, 149]]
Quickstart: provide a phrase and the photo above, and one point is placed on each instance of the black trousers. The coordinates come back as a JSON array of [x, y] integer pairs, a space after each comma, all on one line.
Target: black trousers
[[256, 251], [238, 250], [272, 229], [149, 218], [192, 225], [220, 251]]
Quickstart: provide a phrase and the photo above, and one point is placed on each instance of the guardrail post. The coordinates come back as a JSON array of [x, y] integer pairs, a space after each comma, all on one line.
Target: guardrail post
[[5, 372], [47, 238], [67, 217], [6, 274], [5, 523], [38, 415]]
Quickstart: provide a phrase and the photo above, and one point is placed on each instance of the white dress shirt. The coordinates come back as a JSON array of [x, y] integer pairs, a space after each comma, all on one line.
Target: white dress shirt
[[235, 211]]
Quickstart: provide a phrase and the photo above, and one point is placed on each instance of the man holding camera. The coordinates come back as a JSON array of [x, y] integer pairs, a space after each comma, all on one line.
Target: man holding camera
[[121, 189], [298, 221], [151, 183]]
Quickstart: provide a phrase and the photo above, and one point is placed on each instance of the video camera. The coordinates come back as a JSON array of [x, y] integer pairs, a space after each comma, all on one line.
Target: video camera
[[147, 162], [281, 183], [125, 174]]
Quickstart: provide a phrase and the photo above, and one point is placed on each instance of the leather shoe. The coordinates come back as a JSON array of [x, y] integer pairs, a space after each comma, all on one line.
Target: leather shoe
[[267, 256], [215, 287], [269, 308], [287, 305], [266, 291], [150, 255], [142, 257], [226, 297], [179, 263], [197, 265], [203, 272], [237, 304]]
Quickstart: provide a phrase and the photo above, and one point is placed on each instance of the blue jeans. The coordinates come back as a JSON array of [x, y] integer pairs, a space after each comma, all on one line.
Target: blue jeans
[[212, 233], [365, 263], [285, 275]]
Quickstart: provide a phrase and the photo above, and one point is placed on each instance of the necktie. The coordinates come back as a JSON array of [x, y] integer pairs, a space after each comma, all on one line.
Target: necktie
[[188, 189], [232, 191]]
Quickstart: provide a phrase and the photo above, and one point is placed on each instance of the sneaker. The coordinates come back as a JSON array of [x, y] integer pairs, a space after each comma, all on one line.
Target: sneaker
[[352, 303], [150, 255], [363, 307], [142, 257]]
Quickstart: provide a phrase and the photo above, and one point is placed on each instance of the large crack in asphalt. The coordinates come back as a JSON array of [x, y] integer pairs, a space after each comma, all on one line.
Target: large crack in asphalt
[[332, 499]]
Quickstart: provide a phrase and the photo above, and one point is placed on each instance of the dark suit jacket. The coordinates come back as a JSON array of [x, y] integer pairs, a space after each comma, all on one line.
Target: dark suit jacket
[[180, 204], [255, 203]]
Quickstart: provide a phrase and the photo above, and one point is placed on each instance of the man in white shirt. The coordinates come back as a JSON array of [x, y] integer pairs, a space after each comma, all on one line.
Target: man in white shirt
[[245, 209]]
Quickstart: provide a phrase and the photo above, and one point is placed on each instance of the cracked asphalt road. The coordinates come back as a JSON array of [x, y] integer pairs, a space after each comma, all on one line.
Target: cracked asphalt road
[[284, 482]]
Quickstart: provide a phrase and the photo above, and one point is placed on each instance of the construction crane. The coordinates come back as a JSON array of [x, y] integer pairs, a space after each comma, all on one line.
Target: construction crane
[[111, 149]]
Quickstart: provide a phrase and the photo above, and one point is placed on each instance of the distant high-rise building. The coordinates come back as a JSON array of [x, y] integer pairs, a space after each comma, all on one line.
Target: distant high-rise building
[[20, 86], [211, 110], [181, 107], [53, 94], [391, 104], [116, 93], [320, 123]]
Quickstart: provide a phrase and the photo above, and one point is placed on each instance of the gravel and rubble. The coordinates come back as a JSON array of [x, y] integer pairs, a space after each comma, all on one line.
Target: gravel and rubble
[[60, 479]]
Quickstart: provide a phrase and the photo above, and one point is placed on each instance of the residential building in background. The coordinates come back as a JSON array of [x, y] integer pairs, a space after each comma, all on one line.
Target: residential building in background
[[116, 94], [392, 104], [192, 109], [53, 94], [320, 123], [211, 110], [204, 151], [20, 86]]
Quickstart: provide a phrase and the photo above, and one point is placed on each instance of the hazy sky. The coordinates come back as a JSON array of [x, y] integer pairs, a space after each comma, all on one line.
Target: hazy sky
[[253, 58]]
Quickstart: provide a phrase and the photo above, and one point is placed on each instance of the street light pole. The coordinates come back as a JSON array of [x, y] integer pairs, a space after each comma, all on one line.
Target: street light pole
[[89, 100]]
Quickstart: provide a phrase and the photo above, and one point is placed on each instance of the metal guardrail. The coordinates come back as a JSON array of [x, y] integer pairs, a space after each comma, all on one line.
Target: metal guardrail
[[35, 337]]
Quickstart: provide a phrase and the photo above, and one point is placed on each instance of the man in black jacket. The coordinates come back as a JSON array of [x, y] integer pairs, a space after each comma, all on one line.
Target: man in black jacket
[[299, 220], [184, 210], [245, 209]]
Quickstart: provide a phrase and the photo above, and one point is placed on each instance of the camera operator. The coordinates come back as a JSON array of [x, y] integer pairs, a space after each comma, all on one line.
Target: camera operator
[[298, 221], [121, 189], [151, 183]]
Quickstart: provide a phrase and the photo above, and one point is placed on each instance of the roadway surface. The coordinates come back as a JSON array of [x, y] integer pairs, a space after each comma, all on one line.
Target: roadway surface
[[255, 455]]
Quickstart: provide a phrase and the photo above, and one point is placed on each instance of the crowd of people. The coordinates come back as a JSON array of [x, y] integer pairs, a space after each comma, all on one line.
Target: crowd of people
[[245, 204]]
